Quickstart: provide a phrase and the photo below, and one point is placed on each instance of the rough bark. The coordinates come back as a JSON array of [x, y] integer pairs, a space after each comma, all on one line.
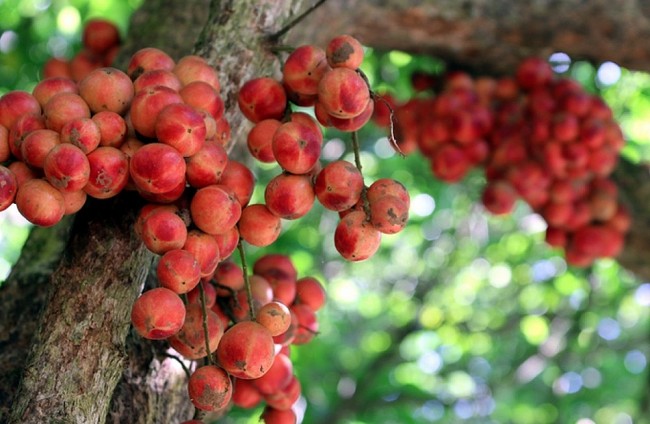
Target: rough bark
[[491, 35]]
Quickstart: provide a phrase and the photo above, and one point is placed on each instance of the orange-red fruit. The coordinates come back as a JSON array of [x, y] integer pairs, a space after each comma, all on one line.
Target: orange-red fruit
[[21, 129], [44, 90], [597, 241], [343, 93], [112, 128], [37, 145], [99, 35], [40, 203], [289, 196], [310, 292], [190, 340], [353, 124], [344, 51], [57, 67], [83, 133], [209, 293], [245, 394], [240, 180], [215, 209], [259, 226], [262, 98], [205, 249], [304, 69], [8, 187], [286, 398], [107, 89], [74, 201], [67, 168], [389, 214], [192, 68], [147, 59], [182, 127], [178, 270], [277, 416], [201, 95], [206, 166], [307, 324], [275, 316], [338, 186], [227, 242], [260, 140], [533, 72], [146, 106], [157, 168], [499, 197], [275, 262], [163, 231], [388, 186], [109, 172], [297, 147], [14, 104], [157, 314], [246, 350], [449, 163], [63, 108], [210, 388], [277, 377], [5, 151], [355, 238], [157, 77], [230, 278]]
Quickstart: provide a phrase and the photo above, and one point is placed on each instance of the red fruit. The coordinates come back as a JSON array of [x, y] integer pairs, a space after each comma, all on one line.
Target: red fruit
[[275, 262], [157, 77], [44, 90], [147, 59], [63, 108], [74, 201], [240, 180], [278, 376], [163, 231], [344, 51], [534, 72], [449, 163], [258, 225], [227, 242], [260, 140], [8, 187], [182, 127], [82, 133], [598, 241], [215, 209], [339, 185], [499, 197], [355, 238], [289, 196], [275, 316], [157, 168], [146, 106], [343, 93], [99, 35], [209, 293], [67, 168], [83, 63], [57, 67], [556, 237], [189, 341], [207, 165], [388, 186], [107, 89], [245, 394], [14, 104], [277, 416], [37, 145], [389, 214], [109, 172], [5, 151], [229, 277], [193, 68], [40, 203], [157, 314], [310, 292], [246, 350], [210, 388], [112, 128], [262, 98], [179, 271], [307, 324], [353, 124], [284, 400], [297, 147], [201, 95], [304, 69], [205, 249]]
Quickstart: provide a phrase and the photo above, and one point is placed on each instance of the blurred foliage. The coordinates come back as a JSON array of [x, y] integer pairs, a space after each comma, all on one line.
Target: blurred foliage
[[463, 317]]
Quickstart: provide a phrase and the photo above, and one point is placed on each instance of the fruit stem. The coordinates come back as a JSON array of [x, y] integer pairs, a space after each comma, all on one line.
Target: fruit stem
[[247, 282], [357, 161], [205, 323], [391, 118], [273, 38], [180, 361]]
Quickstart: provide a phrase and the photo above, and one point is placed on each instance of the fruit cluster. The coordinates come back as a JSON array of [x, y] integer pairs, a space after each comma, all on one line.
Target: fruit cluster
[[539, 138], [329, 81], [251, 349]]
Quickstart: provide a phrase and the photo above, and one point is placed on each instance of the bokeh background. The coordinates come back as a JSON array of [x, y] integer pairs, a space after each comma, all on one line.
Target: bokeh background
[[462, 317]]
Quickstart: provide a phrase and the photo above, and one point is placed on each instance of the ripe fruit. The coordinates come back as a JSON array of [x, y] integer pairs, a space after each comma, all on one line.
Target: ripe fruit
[[246, 350], [343, 93], [178, 270], [40, 203], [158, 314], [210, 388], [109, 172], [355, 238], [67, 168], [107, 89], [8, 187], [215, 209], [258, 225], [262, 98], [344, 51], [289, 196], [157, 168], [338, 186], [189, 341]]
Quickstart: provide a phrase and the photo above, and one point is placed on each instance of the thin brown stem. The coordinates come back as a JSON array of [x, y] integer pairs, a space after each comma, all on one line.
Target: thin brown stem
[[205, 324], [273, 38], [357, 159], [180, 361], [247, 283]]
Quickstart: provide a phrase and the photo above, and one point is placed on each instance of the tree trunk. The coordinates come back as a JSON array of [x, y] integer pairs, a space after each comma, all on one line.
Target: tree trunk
[[66, 353]]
